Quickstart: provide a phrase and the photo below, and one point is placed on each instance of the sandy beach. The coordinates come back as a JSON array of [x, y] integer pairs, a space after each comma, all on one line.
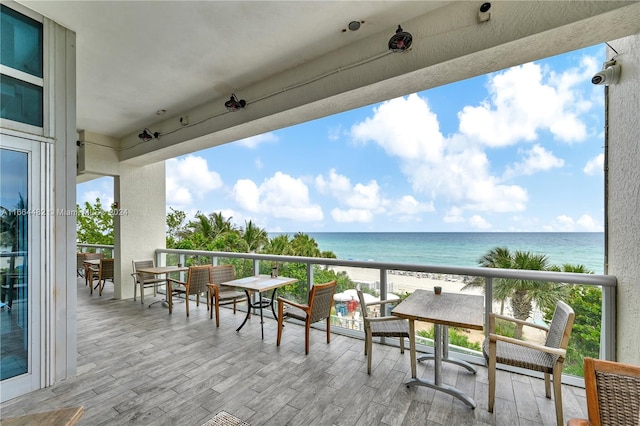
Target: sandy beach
[[400, 281]]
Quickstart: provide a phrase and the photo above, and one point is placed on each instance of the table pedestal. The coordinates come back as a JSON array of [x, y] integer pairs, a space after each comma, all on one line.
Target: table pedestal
[[260, 305], [440, 354]]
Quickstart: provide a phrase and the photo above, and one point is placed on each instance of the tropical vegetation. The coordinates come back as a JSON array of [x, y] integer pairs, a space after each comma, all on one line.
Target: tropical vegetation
[[525, 296]]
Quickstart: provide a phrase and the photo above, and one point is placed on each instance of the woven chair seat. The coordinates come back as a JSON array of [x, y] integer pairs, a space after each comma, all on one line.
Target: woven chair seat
[[218, 294], [227, 293], [380, 327], [520, 356], [294, 312], [390, 328]]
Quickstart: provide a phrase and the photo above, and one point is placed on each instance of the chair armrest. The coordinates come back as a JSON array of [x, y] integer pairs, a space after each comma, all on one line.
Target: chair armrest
[[213, 288], [517, 321], [174, 281], [578, 422], [381, 319], [554, 351], [380, 302], [292, 303]]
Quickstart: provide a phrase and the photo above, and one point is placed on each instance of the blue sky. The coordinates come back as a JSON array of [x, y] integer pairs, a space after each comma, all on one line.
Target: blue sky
[[516, 150]]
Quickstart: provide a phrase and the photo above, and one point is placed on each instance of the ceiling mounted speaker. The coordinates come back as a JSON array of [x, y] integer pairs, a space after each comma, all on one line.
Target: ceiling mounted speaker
[[400, 41], [233, 104]]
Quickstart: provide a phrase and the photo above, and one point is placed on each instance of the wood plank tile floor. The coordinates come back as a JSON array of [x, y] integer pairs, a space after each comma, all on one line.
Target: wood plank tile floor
[[141, 366]]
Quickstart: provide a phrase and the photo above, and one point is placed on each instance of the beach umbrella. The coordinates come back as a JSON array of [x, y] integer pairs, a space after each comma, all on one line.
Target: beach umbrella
[[341, 297]]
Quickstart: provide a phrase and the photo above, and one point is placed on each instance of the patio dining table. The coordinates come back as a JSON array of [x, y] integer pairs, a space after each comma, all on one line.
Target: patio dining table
[[161, 270], [259, 284], [442, 310]]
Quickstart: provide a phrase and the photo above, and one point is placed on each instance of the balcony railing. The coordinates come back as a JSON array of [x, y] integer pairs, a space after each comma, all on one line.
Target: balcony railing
[[607, 283]]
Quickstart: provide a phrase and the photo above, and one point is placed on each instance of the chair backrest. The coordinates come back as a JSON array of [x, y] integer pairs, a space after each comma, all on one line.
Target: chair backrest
[[93, 256], [222, 274], [146, 263], [321, 300], [80, 260], [199, 277], [363, 304], [106, 268], [613, 392], [560, 328]]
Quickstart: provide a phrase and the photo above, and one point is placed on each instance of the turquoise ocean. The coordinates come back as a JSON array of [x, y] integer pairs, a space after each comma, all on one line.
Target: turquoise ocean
[[463, 248]]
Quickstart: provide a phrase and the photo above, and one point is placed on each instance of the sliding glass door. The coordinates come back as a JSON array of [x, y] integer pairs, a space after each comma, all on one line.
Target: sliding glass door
[[21, 218]]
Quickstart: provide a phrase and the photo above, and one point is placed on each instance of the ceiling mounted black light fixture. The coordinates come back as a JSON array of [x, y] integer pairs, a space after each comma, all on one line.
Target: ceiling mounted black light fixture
[[233, 104], [400, 41], [146, 135]]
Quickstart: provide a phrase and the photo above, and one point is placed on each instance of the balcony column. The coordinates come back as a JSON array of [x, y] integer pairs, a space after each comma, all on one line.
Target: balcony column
[[140, 219], [622, 186]]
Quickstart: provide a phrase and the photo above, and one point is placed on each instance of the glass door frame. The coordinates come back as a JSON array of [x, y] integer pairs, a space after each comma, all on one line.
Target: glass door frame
[[36, 278]]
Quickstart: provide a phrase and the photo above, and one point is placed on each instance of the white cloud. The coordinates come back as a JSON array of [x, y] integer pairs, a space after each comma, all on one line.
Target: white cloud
[[188, 179], [280, 196], [254, 141], [404, 127], [258, 163], [587, 223], [352, 215], [535, 159], [106, 198], [595, 166], [565, 222], [454, 215], [584, 223], [478, 222], [452, 169], [335, 133], [410, 206], [362, 201], [525, 100]]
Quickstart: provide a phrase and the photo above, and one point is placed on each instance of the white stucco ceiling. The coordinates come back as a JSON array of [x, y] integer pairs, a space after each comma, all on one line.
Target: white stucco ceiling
[[291, 60], [137, 57]]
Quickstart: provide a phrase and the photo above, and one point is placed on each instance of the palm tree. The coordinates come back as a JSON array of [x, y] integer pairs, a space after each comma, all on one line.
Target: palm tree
[[255, 236], [303, 245], [523, 294]]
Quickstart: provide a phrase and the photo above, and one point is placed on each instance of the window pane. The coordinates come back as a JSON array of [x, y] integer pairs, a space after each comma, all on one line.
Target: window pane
[[21, 101], [13, 263], [21, 42]]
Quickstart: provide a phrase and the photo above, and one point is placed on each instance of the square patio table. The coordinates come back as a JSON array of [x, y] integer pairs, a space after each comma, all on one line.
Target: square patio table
[[443, 310], [259, 284]]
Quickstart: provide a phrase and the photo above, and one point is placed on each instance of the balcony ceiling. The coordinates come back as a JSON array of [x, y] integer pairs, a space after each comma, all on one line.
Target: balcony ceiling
[[291, 60]]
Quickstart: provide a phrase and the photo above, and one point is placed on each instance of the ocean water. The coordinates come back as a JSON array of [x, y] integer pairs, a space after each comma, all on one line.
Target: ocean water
[[463, 248]]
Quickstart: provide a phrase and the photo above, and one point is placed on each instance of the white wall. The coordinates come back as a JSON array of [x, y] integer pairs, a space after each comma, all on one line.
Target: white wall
[[141, 226], [623, 210]]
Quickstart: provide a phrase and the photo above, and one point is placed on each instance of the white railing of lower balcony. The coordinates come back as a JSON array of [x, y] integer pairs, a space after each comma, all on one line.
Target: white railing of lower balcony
[[607, 283]]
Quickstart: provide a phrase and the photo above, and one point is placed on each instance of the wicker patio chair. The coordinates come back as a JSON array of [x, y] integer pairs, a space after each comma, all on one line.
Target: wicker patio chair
[[103, 273], [88, 271], [196, 284], [613, 394], [547, 358], [316, 309], [80, 264], [381, 327], [218, 294], [145, 280]]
